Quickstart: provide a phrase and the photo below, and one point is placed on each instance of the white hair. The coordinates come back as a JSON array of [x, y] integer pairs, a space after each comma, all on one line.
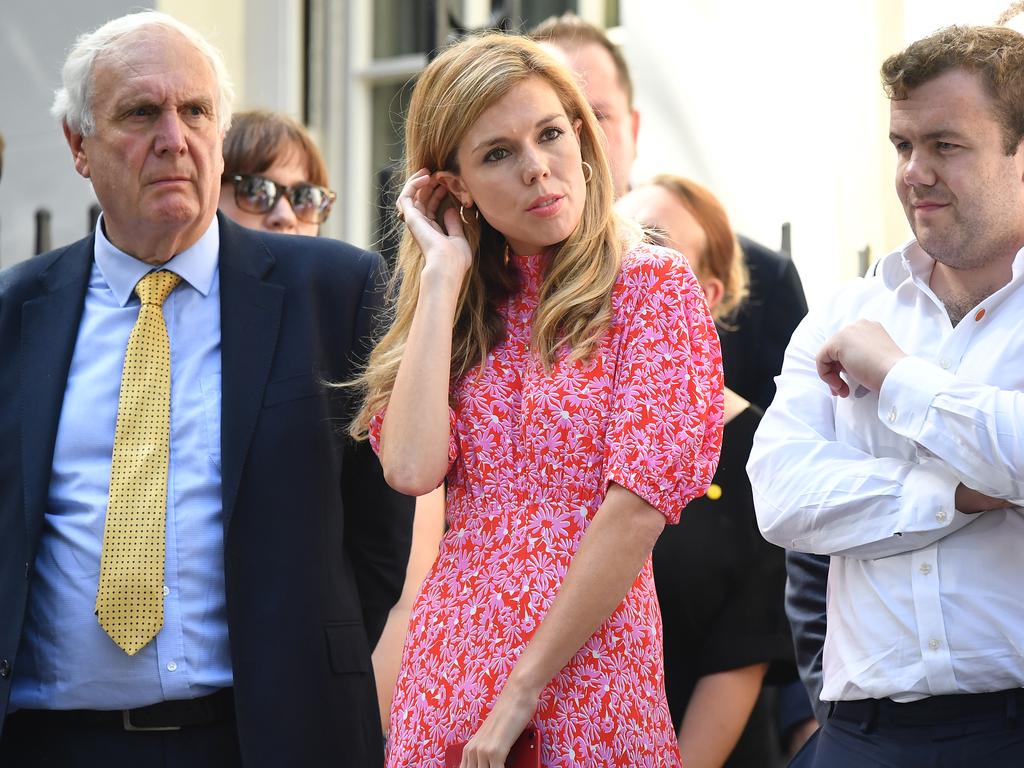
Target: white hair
[[72, 103]]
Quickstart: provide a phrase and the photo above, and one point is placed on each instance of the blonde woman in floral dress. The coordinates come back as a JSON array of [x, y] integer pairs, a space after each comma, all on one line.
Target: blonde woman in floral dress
[[564, 380]]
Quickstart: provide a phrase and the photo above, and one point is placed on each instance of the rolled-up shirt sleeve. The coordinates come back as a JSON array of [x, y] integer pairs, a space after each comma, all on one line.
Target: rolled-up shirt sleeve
[[977, 430], [816, 493]]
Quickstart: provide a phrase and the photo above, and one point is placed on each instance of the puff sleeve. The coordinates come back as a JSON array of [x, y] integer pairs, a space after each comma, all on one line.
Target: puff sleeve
[[665, 432]]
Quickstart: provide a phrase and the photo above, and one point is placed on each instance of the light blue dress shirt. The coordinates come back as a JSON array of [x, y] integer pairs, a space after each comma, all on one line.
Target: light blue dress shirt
[[66, 660]]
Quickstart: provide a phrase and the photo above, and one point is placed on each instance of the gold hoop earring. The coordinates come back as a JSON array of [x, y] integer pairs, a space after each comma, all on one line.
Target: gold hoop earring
[[589, 172], [462, 215]]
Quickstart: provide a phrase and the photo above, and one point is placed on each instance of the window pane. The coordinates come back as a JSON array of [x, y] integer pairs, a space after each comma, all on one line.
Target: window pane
[[611, 14], [403, 26], [533, 12]]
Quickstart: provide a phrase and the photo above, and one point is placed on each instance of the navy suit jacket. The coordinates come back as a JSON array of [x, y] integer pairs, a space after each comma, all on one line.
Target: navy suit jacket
[[316, 543]]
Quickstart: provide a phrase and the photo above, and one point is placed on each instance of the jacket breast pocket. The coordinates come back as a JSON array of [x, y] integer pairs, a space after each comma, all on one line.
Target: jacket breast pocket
[[292, 388], [347, 648]]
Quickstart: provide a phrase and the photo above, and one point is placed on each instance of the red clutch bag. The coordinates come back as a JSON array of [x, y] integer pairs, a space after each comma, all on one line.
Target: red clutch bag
[[525, 753]]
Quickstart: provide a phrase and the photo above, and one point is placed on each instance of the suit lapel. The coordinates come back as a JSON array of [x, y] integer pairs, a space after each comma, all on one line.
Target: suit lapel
[[250, 311], [49, 328]]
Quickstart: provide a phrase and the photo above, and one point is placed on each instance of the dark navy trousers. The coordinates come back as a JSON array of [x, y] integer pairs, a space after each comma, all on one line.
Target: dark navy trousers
[[966, 731]]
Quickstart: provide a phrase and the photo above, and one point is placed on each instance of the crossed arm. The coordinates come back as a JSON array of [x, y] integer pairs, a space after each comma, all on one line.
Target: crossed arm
[[817, 493]]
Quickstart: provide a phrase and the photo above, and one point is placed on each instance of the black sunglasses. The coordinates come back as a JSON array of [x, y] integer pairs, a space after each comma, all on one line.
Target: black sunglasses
[[258, 194]]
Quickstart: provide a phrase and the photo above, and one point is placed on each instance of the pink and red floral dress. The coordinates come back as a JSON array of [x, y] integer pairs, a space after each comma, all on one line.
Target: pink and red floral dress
[[531, 456]]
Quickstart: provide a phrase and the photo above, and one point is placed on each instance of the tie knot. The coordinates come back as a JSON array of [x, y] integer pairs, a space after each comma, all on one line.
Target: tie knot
[[155, 287]]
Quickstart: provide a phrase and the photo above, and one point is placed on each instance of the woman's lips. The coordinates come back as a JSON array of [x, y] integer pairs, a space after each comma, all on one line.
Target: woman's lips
[[549, 205]]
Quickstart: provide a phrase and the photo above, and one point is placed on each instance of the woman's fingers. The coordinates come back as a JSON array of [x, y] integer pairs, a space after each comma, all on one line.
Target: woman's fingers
[[436, 196], [453, 224], [407, 197], [476, 757]]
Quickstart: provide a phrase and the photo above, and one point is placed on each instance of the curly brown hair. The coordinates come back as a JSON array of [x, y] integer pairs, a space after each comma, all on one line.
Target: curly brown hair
[[995, 54], [1013, 9]]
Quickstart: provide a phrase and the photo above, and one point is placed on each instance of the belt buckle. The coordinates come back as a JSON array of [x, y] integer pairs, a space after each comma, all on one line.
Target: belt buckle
[[126, 720]]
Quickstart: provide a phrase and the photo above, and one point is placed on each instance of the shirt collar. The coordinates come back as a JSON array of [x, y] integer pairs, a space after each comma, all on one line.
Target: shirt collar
[[195, 265], [912, 261]]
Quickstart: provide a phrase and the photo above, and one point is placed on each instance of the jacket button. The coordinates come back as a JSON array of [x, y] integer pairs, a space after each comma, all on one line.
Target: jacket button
[[5, 669]]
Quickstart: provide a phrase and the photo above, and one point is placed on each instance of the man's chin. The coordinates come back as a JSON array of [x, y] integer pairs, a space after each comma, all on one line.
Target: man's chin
[[182, 215]]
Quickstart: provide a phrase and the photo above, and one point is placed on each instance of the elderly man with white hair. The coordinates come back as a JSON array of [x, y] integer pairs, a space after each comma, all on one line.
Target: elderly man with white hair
[[194, 561]]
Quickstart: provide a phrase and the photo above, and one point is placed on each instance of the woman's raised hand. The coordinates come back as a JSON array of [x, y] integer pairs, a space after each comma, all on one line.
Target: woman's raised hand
[[446, 252]]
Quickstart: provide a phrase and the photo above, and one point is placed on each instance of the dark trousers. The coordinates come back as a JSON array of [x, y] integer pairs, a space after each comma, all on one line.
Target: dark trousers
[[967, 731], [62, 740]]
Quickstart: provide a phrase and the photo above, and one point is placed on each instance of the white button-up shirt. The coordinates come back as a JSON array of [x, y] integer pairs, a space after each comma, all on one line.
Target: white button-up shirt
[[923, 600]]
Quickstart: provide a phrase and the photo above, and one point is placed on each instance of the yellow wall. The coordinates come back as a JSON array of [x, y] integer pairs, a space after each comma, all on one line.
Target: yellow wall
[[223, 23]]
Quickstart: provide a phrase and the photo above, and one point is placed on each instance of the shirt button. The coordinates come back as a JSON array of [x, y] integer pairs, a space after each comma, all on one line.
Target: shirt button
[[925, 568], [941, 515], [167, 590], [5, 669], [933, 644], [944, 364], [892, 414], [171, 666], [979, 315]]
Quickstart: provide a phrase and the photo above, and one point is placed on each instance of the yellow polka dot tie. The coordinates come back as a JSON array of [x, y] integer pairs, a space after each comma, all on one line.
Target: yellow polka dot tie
[[130, 598]]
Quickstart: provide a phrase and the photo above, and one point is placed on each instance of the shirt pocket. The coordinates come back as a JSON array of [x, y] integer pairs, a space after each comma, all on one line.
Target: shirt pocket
[[211, 391]]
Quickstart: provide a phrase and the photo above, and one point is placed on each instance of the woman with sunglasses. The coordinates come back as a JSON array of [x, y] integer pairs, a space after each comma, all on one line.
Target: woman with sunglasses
[[275, 178], [563, 380]]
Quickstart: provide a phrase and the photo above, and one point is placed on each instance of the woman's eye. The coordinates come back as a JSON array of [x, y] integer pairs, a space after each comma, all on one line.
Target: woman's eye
[[498, 153], [551, 133]]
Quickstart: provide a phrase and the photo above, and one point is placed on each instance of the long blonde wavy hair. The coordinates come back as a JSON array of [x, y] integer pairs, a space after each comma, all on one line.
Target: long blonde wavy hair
[[574, 303]]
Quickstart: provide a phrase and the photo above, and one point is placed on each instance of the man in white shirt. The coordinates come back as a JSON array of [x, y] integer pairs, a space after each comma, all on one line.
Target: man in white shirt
[[895, 442]]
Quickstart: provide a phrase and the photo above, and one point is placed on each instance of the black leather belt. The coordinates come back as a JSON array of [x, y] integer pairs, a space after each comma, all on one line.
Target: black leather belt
[[933, 710], [164, 716]]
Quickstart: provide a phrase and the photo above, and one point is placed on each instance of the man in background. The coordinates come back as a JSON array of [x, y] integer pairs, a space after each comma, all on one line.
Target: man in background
[[752, 353]]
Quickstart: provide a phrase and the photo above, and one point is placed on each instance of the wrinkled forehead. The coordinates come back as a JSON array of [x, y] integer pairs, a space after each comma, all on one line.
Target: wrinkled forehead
[[153, 56]]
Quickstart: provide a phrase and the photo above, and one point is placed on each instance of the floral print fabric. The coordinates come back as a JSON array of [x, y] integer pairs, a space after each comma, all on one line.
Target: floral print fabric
[[532, 454]]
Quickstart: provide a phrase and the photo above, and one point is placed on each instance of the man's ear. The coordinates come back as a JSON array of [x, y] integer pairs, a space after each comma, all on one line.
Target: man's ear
[[75, 141], [455, 186]]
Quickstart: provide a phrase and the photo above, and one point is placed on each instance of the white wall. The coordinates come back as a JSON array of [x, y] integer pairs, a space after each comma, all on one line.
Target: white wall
[[776, 106], [38, 171]]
